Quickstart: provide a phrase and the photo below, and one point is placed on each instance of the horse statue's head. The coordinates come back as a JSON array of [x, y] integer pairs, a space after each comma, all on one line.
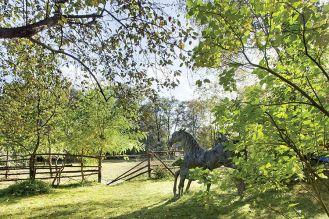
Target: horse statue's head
[[177, 136]]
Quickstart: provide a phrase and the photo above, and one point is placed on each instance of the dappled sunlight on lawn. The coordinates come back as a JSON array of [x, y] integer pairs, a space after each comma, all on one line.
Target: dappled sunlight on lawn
[[145, 199], [89, 201]]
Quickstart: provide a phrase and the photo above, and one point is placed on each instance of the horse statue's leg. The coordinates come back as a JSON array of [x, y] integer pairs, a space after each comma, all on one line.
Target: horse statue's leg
[[181, 185], [175, 183], [208, 187], [183, 176], [241, 186], [188, 185]]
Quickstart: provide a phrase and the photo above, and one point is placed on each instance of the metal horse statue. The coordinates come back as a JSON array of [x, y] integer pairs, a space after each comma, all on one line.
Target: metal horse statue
[[196, 156]]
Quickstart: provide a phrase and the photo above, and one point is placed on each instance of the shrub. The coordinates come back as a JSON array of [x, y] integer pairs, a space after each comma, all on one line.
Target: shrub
[[203, 176], [160, 173], [27, 188]]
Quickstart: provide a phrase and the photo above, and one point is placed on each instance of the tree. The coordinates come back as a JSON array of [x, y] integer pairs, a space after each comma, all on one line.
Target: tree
[[289, 41], [39, 113], [31, 104], [157, 121], [196, 117], [163, 116], [93, 126], [116, 41], [284, 44]]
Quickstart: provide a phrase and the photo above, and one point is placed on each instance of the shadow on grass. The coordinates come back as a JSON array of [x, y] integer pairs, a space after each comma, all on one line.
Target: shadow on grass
[[203, 205], [187, 208], [76, 185], [197, 205]]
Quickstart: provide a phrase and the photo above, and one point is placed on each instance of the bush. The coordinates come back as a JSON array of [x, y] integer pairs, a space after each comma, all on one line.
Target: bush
[[27, 188], [203, 176], [160, 173]]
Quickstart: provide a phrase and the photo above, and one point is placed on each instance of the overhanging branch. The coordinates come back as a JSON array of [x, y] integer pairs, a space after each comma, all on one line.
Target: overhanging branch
[[32, 29], [290, 83], [74, 58]]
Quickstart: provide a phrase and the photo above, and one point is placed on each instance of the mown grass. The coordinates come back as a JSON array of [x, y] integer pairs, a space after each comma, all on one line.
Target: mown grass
[[149, 199], [153, 199]]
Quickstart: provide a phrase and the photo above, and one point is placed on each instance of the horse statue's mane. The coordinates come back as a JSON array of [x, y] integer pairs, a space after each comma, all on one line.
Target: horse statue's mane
[[191, 143]]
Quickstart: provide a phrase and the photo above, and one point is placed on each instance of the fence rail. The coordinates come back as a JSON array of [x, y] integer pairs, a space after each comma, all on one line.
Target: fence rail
[[54, 166]]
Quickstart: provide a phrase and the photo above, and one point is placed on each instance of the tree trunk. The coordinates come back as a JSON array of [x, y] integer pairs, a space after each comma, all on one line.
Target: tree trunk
[[7, 165], [100, 167], [37, 144], [50, 162], [32, 167], [81, 163], [33, 158], [149, 164], [56, 172]]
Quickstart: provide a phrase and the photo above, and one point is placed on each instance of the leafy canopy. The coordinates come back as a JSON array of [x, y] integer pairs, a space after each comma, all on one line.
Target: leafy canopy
[[112, 41]]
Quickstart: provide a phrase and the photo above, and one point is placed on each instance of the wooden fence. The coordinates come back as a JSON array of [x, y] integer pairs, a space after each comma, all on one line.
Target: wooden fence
[[57, 166], [50, 166]]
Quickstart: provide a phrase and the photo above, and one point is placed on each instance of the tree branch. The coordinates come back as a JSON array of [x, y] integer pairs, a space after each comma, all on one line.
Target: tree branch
[[80, 16], [278, 104], [32, 29], [316, 95], [304, 41], [76, 59], [115, 18], [295, 86], [307, 53]]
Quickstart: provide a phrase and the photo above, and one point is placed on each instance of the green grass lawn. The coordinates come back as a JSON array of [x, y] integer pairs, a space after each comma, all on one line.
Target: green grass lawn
[[147, 199], [153, 199]]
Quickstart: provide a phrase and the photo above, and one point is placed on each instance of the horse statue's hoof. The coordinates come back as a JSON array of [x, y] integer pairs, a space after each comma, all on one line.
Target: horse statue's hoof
[[176, 197]]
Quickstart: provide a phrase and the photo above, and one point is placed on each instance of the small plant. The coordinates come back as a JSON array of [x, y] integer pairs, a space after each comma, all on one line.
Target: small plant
[[203, 176], [27, 188], [160, 173]]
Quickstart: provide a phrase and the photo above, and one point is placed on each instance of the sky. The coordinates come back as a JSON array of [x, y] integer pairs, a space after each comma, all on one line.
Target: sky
[[186, 90]]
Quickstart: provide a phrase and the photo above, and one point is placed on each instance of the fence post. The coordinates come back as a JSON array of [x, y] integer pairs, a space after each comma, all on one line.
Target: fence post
[[100, 168], [149, 164]]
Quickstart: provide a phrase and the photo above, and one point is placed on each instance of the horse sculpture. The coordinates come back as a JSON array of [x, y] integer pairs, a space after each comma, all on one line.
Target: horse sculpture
[[196, 156]]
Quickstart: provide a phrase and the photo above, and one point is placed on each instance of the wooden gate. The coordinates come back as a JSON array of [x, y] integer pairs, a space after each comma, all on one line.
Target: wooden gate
[[145, 166]]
